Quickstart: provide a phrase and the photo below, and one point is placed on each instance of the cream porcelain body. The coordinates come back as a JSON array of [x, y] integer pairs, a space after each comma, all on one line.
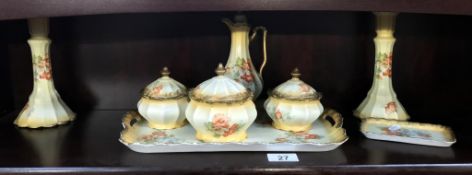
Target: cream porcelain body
[[167, 114], [239, 66], [164, 102], [293, 115], [294, 105], [45, 107], [381, 101], [221, 109]]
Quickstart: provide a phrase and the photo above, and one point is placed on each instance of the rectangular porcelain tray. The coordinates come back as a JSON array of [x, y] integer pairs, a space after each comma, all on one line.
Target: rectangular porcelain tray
[[261, 137], [408, 132]]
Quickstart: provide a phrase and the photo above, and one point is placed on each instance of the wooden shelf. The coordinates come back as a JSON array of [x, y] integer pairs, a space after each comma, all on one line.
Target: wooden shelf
[[101, 62], [90, 145], [19, 9]]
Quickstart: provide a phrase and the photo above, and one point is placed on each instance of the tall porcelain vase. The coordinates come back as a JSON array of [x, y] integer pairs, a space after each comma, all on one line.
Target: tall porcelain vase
[[45, 107], [381, 100], [239, 66]]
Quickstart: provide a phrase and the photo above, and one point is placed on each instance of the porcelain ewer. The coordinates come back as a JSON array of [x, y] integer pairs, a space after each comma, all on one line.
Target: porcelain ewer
[[45, 107], [221, 109], [239, 65], [164, 102], [381, 100], [294, 105]]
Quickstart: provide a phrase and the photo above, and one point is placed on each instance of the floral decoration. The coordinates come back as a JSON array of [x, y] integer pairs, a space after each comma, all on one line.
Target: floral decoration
[[303, 136], [160, 137], [220, 126], [278, 114], [241, 72], [383, 66], [391, 107], [304, 87], [155, 91], [402, 132], [42, 67]]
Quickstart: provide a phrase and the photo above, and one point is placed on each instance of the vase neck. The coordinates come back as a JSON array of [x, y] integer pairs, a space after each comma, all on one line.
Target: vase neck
[[385, 24], [239, 43], [383, 59], [42, 70]]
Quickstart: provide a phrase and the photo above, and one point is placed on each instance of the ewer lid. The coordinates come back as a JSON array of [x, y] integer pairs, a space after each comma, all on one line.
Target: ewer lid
[[165, 88], [220, 89], [295, 89]]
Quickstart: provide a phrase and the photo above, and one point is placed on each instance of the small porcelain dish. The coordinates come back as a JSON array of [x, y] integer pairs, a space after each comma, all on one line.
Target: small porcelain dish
[[293, 105], [408, 132], [163, 103], [221, 109]]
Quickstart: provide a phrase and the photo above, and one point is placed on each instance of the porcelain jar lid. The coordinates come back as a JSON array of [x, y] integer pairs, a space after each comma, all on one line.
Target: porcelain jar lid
[[220, 89], [295, 89], [165, 88]]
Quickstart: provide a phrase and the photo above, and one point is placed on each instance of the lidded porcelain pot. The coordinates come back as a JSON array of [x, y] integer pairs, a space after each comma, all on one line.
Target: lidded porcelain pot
[[221, 109], [163, 102], [294, 105]]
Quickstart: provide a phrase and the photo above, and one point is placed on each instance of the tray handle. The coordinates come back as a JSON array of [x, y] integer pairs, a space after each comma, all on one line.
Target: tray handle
[[335, 116], [130, 119]]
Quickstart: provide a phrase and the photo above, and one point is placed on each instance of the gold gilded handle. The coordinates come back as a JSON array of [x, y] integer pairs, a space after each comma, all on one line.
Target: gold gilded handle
[[264, 45], [129, 118], [336, 116]]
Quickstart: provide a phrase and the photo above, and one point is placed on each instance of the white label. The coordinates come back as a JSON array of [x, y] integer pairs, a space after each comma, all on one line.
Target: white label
[[291, 157]]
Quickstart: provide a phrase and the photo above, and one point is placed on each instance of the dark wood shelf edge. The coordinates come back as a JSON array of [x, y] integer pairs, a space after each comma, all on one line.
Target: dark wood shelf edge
[[21, 9], [22, 155], [340, 169]]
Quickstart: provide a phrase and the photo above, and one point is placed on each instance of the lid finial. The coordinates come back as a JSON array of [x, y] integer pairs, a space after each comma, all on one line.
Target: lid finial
[[165, 71], [240, 18], [220, 70], [296, 73]]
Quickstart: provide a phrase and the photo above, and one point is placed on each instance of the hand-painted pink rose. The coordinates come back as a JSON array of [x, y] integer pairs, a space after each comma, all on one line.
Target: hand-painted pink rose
[[44, 64], [391, 107], [45, 75], [278, 114], [156, 90], [389, 59], [246, 77], [231, 130], [159, 134], [387, 72], [220, 121], [311, 136], [304, 87]]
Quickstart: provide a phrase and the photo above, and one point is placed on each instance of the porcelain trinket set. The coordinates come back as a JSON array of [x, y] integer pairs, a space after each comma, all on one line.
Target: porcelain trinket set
[[322, 136], [221, 109]]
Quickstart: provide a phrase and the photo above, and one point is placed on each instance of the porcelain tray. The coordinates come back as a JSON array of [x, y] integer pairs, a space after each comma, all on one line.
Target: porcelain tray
[[324, 136], [408, 132]]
